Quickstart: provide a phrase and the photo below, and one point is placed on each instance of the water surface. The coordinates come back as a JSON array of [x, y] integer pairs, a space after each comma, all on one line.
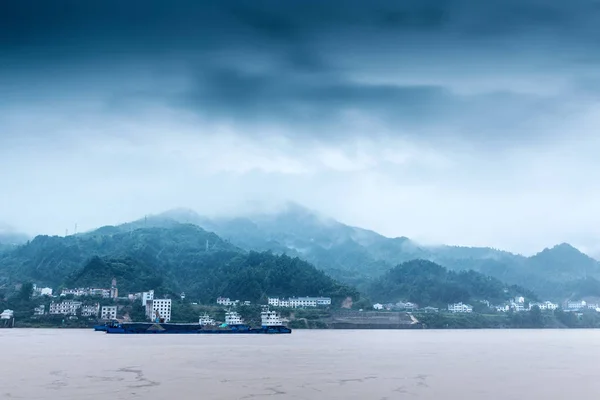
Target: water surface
[[410, 364]]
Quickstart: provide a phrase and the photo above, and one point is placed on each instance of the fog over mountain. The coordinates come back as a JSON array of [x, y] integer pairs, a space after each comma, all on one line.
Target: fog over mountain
[[457, 122]]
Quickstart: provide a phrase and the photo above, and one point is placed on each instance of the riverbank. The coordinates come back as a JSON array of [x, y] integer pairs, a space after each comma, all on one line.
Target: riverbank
[[372, 320]]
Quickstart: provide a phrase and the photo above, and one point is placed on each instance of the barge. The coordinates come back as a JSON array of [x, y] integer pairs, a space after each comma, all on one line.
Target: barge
[[271, 323]]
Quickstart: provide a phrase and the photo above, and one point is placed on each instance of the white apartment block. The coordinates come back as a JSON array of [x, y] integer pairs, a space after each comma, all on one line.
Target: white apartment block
[[547, 305], [299, 302], [146, 296], [162, 306], [108, 312], [38, 291], [90, 310], [78, 292], [576, 305], [65, 307], [460, 308], [225, 301]]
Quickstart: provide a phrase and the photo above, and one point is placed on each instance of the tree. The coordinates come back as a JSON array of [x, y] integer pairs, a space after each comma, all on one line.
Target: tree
[[536, 317], [26, 291]]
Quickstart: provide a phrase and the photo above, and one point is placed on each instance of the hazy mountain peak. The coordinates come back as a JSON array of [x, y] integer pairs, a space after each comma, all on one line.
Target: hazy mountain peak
[[180, 214]]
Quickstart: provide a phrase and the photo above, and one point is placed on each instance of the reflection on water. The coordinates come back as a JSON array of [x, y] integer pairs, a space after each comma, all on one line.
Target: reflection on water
[[466, 365]]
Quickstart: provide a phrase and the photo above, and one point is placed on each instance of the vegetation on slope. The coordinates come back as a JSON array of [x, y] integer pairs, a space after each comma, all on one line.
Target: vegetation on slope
[[426, 283]]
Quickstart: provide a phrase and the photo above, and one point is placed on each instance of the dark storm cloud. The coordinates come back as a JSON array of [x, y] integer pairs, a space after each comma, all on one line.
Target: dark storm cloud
[[295, 60]]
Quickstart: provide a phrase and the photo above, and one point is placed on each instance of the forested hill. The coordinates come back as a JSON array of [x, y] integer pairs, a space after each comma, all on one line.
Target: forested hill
[[244, 276], [174, 259], [426, 283], [359, 256], [49, 260]]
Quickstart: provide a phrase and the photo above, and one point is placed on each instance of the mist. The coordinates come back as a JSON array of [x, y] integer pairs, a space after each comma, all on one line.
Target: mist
[[461, 123]]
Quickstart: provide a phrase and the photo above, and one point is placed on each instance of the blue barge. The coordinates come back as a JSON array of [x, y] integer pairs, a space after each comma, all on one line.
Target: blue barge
[[271, 324]]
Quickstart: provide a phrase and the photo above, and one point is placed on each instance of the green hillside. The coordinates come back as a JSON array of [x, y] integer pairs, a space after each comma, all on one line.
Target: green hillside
[[174, 259], [359, 256], [426, 283]]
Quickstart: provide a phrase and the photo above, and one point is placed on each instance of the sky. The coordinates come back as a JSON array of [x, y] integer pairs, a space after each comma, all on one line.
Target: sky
[[462, 122]]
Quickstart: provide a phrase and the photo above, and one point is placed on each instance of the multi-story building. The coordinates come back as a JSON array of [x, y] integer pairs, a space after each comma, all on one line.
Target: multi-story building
[[90, 310], [77, 292], [65, 307], [299, 302], [39, 310], [575, 305], [39, 291], [108, 312], [224, 301], [146, 296], [460, 308], [160, 306], [272, 301]]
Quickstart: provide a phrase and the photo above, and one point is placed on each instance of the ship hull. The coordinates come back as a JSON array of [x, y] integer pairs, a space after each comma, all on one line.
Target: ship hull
[[166, 328]]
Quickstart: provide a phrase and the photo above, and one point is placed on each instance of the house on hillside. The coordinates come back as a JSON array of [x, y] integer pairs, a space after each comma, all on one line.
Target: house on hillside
[[460, 308]]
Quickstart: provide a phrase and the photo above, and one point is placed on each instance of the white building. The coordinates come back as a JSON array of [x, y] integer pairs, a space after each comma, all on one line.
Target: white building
[[519, 300], [146, 296], [7, 314], [273, 301], [503, 308], [297, 302], [517, 307], [160, 306], [39, 310], [576, 305], [46, 291], [224, 301], [108, 312], [75, 292], [378, 306], [65, 307], [406, 306], [90, 310], [460, 308], [547, 305]]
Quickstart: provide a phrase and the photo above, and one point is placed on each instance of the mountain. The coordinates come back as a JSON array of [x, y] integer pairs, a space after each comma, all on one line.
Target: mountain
[[171, 258], [427, 283], [358, 256], [49, 259]]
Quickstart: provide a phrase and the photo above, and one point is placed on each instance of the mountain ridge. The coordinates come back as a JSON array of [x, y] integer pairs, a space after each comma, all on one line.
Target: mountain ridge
[[358, 256]]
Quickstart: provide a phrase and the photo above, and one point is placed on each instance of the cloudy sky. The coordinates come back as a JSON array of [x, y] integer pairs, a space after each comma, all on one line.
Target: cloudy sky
[[458, 121]]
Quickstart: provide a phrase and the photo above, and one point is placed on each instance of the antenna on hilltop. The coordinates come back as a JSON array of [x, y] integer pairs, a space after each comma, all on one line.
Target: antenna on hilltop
[[66, 232], [75, 231]]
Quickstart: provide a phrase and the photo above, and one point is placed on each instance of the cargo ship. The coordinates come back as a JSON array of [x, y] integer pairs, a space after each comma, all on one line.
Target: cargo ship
[[271, 323]]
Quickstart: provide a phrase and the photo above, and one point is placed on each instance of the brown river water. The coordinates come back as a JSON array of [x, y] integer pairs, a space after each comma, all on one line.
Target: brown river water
[[329, 364]]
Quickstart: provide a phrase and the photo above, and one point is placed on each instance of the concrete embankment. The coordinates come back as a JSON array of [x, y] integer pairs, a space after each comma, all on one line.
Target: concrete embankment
[[373, 320]]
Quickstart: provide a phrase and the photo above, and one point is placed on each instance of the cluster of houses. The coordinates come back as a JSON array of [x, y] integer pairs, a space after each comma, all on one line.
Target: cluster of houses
[[154, 308], [111, 293], [517, 305], [292, 302]]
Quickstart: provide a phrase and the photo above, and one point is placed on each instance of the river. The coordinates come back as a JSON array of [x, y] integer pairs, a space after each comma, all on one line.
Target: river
[[328, 364]]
